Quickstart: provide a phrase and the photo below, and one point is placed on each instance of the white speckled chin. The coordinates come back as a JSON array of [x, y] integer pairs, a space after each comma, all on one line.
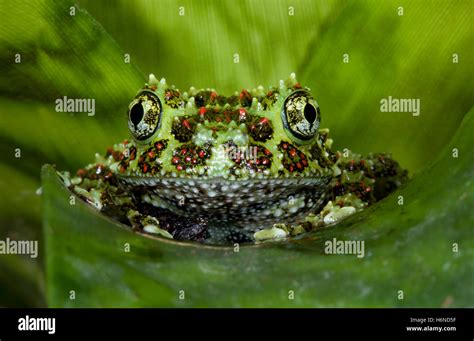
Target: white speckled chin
[[252, 204]]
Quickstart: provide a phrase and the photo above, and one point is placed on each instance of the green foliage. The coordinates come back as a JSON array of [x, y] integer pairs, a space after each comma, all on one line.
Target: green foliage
[[389, 55]]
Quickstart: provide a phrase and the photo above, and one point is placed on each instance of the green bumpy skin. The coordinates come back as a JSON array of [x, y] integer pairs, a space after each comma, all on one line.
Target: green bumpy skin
[[249, 167]]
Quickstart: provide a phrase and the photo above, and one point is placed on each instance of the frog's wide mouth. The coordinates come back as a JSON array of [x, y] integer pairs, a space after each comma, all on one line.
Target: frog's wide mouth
[[219, 199], [223, 183], [212, 192]]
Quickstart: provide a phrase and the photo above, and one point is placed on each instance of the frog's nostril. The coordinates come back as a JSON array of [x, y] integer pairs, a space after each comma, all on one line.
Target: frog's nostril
[[136, 114], [310, 113]]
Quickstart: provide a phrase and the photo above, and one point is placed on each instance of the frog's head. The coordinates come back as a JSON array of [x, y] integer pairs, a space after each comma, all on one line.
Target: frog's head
[[259, 143]]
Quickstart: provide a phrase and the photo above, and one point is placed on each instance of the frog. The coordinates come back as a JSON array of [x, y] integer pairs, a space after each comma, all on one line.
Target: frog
[[254, 166]]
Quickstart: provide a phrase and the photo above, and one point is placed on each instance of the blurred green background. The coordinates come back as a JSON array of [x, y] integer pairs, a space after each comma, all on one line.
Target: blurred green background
[[82, 56]]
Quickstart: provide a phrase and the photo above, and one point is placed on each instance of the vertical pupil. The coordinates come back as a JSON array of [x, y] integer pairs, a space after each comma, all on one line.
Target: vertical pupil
[[136, 114], [310, 113]]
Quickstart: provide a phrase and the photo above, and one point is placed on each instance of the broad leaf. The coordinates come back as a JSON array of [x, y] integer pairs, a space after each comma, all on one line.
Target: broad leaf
[[421, 250], [77, 56]]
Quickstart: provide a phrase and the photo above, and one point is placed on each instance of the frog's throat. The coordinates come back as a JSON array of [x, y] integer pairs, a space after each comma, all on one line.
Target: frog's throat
[[245, 202]]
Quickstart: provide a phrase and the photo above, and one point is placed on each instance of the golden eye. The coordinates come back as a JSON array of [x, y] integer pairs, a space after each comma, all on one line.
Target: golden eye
[[144, 115], [300, 115]]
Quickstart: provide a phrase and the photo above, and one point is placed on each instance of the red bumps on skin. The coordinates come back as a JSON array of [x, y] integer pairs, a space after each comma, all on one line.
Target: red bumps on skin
[[158, 146], [186, 124], [242, 113], [267, 151], [151, 154], [145, 167], [213, 96], [292, 152], [244, 93], [202, 153], [81, 172], [133, 154], [263, 120], [202, 111], [304, 162], [175, 160], [297, 86], [183, 151], [179, 167], [227, 116]]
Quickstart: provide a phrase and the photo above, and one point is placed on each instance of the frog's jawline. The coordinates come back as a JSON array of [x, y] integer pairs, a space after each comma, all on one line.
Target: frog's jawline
[[247, 203]]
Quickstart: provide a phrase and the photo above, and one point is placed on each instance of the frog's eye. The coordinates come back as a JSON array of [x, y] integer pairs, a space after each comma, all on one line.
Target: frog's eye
[[300, 115], [144, 115]]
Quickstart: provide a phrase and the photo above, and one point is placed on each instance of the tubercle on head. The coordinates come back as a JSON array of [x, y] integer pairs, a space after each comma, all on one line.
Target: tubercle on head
[[297, 109], [245, 98], [250, 105], [204, 119]]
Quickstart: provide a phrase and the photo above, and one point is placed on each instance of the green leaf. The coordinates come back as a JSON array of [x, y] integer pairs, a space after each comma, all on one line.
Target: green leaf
[[60, 56], [407, 247], [77, 56]]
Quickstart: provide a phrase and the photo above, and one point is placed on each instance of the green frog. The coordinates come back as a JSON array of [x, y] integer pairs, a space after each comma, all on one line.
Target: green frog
[[248, 167]]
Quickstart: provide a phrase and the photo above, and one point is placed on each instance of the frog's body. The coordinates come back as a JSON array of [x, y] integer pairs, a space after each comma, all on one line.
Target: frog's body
[[248, 161]]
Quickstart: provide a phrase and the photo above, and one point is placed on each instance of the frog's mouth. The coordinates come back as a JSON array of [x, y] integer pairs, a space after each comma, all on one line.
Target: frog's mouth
[[220, 199]]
